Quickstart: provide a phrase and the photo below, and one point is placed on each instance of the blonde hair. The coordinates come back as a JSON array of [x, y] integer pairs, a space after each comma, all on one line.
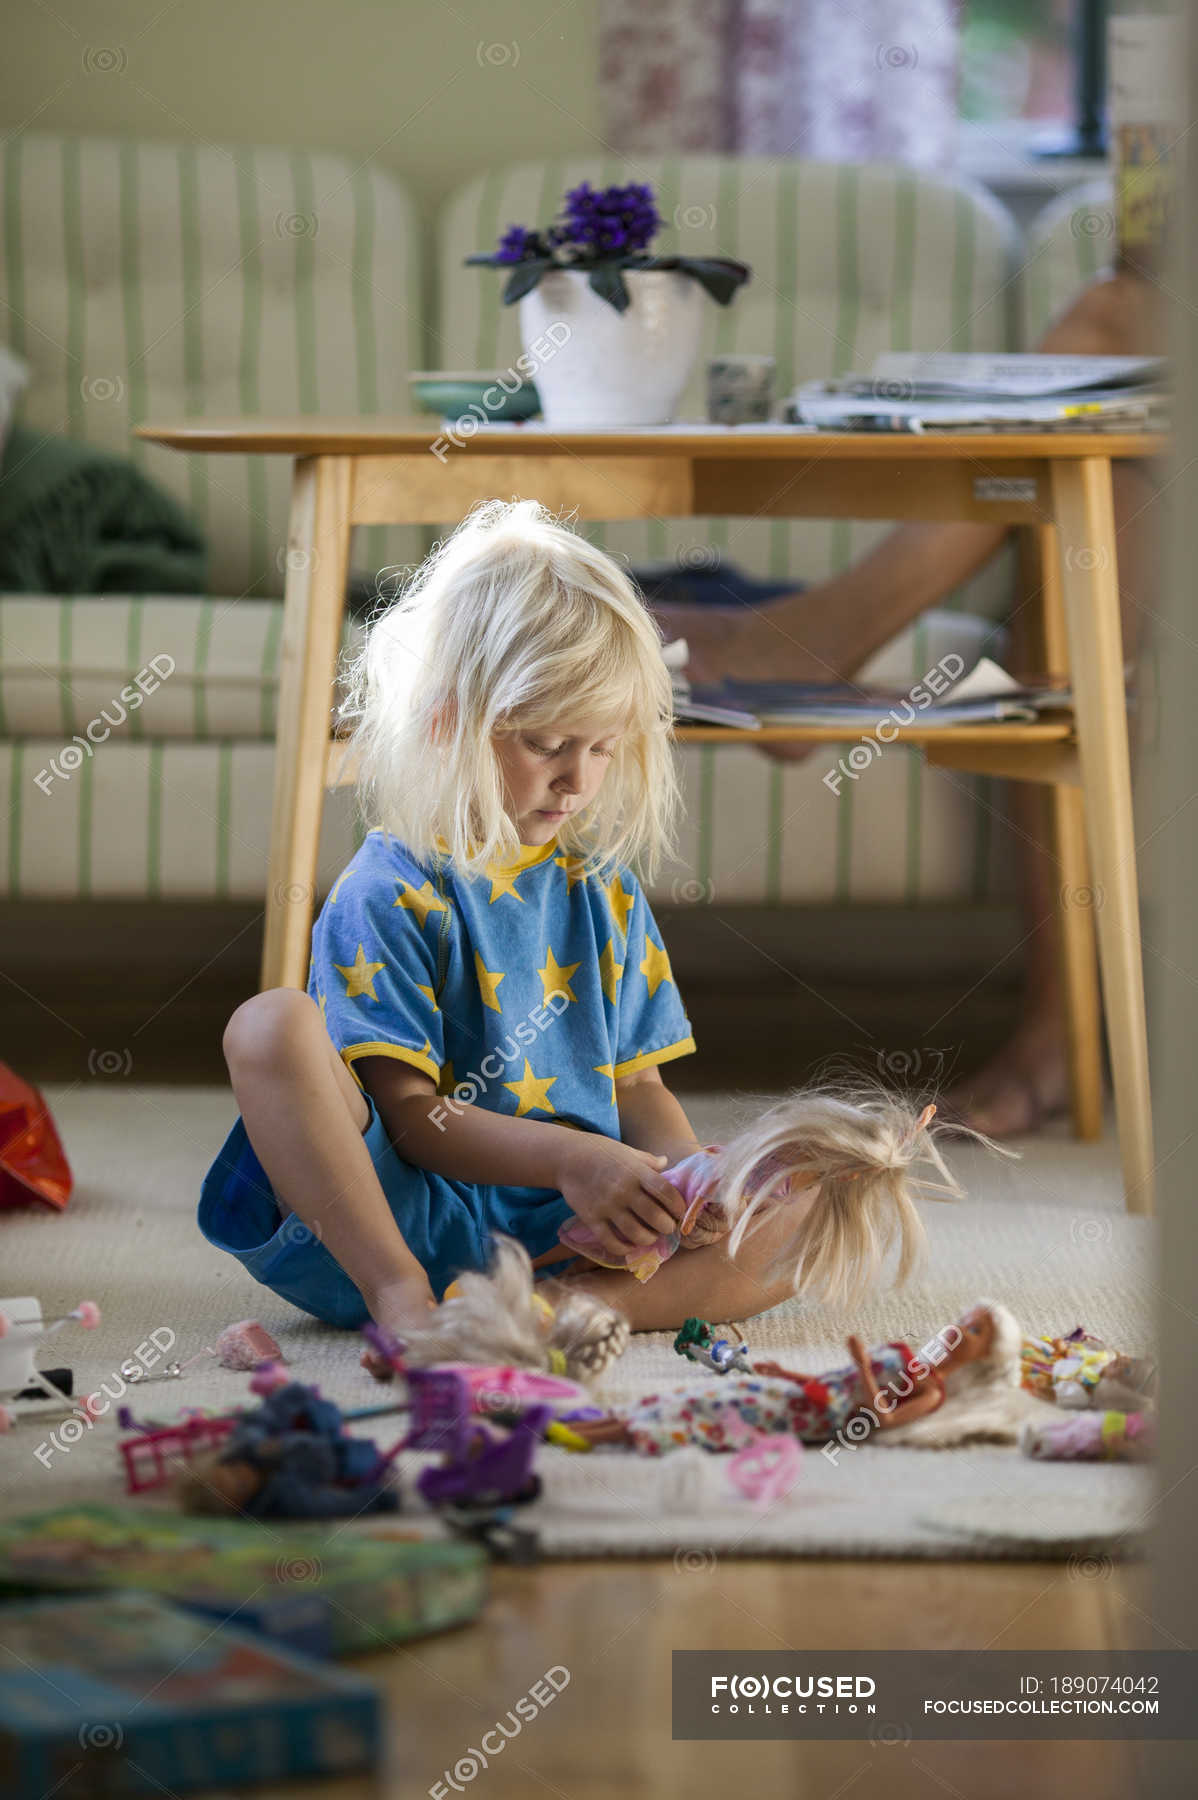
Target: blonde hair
[[514, 622], [858, 1145]]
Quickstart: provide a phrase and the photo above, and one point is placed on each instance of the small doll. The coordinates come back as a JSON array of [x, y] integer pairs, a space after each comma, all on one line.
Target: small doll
[[842, 1160], [699, 1343], [500, 1318], [1091, 1437], [882, 1390], [1080, 1371]]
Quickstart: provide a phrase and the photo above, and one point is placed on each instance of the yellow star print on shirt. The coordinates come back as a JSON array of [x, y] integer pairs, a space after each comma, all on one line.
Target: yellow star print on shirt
[[337, 886], [503, 881], [608, 1070], [574, 867], [488, 981], [555, 978], [359, 976], [610, 971], [432, 998], [531, 1091], [656, 966], [621, 903], [421, 901]]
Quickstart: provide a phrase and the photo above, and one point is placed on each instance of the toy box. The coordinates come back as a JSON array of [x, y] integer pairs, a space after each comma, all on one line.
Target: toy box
[[369, 1590], [126, 1694]]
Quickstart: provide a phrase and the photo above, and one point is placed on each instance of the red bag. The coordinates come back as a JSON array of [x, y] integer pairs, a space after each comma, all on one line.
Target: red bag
[[32, 1160]]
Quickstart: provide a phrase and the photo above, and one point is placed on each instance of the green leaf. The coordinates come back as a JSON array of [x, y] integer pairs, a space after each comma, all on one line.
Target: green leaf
[[524, 278], [608, 283], [719, 276]]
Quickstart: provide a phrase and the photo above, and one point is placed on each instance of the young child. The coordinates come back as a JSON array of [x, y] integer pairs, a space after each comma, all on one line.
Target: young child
[[489, 1000]]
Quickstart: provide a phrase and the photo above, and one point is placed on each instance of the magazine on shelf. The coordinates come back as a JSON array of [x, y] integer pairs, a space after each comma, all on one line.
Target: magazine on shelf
[[986, 695]]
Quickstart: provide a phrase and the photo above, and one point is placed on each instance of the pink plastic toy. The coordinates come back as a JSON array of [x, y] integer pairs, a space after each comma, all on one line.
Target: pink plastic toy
[[152, 1458], [246, 1344], [267, 1377], [766, 1468]]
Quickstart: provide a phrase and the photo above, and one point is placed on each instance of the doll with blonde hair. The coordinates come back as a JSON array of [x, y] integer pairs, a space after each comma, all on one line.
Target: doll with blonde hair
[[489, 1006]]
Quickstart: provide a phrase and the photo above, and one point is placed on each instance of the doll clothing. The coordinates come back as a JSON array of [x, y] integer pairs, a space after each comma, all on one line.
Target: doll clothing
[[693, 1176], [719, 1415]]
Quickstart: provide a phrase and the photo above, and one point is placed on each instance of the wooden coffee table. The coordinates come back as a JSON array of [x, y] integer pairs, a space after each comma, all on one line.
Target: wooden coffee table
[[372, 471]]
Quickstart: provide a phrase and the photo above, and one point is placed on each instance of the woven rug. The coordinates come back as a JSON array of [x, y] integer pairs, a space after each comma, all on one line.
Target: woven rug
[[1046, 1236]]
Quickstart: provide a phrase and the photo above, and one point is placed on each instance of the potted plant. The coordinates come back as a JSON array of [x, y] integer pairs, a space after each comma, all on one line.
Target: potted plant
[[632, 321]]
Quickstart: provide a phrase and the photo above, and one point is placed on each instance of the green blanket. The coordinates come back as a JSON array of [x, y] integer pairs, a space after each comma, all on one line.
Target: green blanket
[[76, 520]]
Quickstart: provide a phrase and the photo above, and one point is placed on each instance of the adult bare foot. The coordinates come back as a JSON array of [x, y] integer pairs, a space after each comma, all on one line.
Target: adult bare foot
[[1024, 1084]]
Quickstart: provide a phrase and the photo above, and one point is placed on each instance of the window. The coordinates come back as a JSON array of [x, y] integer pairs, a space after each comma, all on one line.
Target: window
[[1033, 74]]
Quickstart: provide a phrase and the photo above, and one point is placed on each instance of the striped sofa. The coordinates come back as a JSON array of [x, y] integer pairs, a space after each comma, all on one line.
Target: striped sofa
[[148, 280]]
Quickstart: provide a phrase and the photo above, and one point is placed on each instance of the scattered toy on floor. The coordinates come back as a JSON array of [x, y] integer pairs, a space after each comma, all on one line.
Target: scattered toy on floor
[[22, 1331], [766, 1468], [961, 1387], [153, 1455], [486, 1464], [1080, 1370], [1091, 1436], [290, 1458], [697, 1341], [500, 1318], [246, 1344]]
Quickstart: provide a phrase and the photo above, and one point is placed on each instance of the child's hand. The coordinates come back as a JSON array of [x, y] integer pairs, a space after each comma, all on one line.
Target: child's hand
[[619, 1192]]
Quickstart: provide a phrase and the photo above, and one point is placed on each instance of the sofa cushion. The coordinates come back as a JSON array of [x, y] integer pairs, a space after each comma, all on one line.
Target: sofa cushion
[[155, 812], [1069, 242], [149, 280], [209, 665]]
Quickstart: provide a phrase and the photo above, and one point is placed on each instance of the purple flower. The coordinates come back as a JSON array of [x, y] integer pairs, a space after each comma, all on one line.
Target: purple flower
[[610, 221], [515, 244]]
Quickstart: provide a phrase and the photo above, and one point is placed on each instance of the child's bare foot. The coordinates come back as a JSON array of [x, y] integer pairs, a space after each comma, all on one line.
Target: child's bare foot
[[1022, 1087]]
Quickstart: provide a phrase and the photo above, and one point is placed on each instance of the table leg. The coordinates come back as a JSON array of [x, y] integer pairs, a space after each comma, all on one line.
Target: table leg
[[318, 538], [1074, 890], [1090, 590]]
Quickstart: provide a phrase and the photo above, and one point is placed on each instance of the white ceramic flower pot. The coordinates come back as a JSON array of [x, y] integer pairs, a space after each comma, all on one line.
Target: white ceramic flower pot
[[612, 368]]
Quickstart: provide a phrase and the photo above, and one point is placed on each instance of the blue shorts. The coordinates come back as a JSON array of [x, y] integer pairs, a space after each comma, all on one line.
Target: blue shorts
[[447, 1225]]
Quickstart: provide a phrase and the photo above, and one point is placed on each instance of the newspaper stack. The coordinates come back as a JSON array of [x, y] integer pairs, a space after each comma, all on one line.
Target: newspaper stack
[[948, 391]]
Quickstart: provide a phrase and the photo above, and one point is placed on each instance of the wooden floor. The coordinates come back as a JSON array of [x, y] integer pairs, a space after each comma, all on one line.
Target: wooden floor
[[612, 1625]]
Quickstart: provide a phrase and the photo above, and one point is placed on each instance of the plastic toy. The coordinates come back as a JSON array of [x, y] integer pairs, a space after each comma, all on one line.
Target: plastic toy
[[495, 1388], [697, 1341], [290, 1458], [154, 1455], [766, 1468], [22, 1331], [1091, 1436], [1080, 1370], [244, 1345], [485, 1466]]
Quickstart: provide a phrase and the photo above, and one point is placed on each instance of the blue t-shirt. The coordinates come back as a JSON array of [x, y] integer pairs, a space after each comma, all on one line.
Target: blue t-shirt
[[527, 991]]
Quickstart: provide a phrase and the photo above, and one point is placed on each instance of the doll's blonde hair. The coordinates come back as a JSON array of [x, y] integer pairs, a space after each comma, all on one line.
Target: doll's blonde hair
[[514, 622], [861, 1147]]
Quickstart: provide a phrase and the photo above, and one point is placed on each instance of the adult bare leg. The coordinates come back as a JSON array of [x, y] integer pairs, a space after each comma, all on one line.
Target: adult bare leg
[[828, 631]]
